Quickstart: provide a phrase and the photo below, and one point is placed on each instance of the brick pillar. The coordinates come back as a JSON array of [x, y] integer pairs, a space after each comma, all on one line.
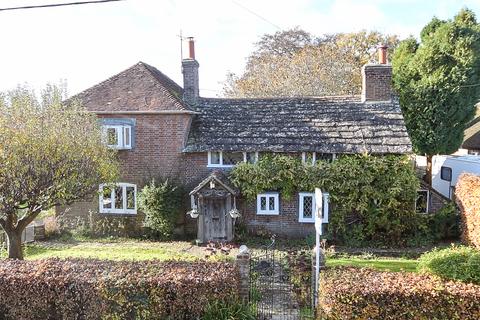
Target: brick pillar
[[243, 265]]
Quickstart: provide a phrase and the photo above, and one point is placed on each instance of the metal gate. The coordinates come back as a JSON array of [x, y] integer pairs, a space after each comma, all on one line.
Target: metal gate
[[280, 286]]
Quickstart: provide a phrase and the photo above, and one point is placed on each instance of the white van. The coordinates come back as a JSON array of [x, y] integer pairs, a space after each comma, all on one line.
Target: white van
[[447, 169]]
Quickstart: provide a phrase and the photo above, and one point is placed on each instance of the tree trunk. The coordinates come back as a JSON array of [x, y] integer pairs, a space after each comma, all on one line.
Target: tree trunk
[[14, 244], [428, 177]]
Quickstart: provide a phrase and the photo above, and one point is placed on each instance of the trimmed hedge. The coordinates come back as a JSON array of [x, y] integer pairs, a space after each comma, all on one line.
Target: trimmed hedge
[[455, 263], [99, 289], [467, 192], [354, 293]]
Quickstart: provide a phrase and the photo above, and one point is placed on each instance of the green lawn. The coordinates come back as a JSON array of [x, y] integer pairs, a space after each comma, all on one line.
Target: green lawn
[[385, 264], [117, 250], [128, 249]]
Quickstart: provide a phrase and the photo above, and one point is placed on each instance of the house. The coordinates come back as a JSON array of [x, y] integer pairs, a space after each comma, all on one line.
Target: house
[[160, 128]]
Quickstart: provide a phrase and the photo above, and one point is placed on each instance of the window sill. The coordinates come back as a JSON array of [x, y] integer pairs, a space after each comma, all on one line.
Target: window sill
[[268, 214], [306, 220], [119, 213], [220, 166]]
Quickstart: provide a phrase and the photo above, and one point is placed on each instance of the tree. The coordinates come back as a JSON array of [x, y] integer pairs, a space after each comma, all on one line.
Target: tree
[[438, 82], [294, 63], [50, 155]]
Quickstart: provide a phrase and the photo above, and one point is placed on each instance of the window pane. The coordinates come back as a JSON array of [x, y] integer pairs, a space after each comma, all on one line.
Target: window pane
[[130, 198], [232, 158], [307, 206], [325, 156], [126, 137], [251, 157], [118, 197], [107, 198], [446, 173], [309, 158], [263, 203], [215, 157], [271, 203], [422, 201], [112, 137]]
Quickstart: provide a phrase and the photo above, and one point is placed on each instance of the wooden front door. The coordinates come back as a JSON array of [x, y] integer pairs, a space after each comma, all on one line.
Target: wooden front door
[[215, 219]]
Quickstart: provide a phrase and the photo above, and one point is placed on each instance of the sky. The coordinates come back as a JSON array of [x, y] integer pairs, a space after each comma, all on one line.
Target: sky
[[84, 45]]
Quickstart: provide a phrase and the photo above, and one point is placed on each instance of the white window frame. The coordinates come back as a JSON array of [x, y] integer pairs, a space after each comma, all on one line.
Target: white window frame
[[304, 158], [301, 216], [267, 211], [314, 157], [428, 202], [124, 209], [221, 165], [121, 132]]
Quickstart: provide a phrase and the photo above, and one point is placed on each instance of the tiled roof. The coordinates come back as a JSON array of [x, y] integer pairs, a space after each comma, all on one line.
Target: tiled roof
[[323, 124], [138, 88]]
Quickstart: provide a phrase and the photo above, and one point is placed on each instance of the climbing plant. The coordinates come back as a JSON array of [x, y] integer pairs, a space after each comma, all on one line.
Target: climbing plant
[[371, 197]]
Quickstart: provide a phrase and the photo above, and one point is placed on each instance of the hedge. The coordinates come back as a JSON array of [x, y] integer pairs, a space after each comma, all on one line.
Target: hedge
[[98, 289], [456, 263], [467, 192], [361, 293]]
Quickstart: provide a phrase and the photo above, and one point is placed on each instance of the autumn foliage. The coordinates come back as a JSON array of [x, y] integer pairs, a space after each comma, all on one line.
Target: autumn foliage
[[468, 198], [95, 289], [352, 293]]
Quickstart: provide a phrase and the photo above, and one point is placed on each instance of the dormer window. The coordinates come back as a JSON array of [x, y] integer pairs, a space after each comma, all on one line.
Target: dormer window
[[118, 136]]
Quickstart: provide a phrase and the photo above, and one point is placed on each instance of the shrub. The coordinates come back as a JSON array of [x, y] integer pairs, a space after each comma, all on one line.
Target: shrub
[[161, 203], [371, 197], [96, 289], [52, 227], [467, 193], [353, 293], [456, 263]]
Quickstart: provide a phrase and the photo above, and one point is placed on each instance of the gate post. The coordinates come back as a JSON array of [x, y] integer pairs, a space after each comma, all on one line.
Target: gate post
[[243, 265], [315, 285]]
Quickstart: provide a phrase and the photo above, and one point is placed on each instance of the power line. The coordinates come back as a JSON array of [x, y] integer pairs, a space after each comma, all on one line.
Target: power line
[[58, 5], [256, 14]]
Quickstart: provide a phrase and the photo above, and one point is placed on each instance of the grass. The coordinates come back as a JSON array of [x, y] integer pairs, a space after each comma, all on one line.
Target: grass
[[130, 249], [383, 264], [117, 250]]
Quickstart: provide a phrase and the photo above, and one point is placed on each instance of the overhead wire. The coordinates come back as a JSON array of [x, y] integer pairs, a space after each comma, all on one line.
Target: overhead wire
[[58, 5]]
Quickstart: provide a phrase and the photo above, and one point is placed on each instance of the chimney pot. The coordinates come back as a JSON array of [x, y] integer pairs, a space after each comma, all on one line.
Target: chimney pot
[[382, 54], [191, 48]]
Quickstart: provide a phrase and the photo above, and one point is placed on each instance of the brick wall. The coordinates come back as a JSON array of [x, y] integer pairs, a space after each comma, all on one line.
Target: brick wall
[[285, 224], [157, 153]]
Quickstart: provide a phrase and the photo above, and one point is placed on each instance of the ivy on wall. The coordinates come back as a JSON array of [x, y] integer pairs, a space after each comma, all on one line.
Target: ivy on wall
[[372, 197]]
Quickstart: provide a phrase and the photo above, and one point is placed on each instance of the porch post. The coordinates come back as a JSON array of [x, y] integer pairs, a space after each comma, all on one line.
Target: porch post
[[243, 265]]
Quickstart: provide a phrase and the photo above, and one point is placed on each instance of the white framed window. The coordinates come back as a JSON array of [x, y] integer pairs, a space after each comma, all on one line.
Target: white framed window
[[118, 198], [250, 157], [306, 207], [422, 204], [228, 159], [118, 136], [268, 203], [312, 157]]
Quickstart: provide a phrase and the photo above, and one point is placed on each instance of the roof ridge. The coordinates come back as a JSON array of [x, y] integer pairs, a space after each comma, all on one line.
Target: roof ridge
[[103, 82], [336, 97]]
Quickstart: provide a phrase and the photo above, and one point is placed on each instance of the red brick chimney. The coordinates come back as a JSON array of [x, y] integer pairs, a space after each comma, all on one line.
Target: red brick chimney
[[377, 79], [191, 91]]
